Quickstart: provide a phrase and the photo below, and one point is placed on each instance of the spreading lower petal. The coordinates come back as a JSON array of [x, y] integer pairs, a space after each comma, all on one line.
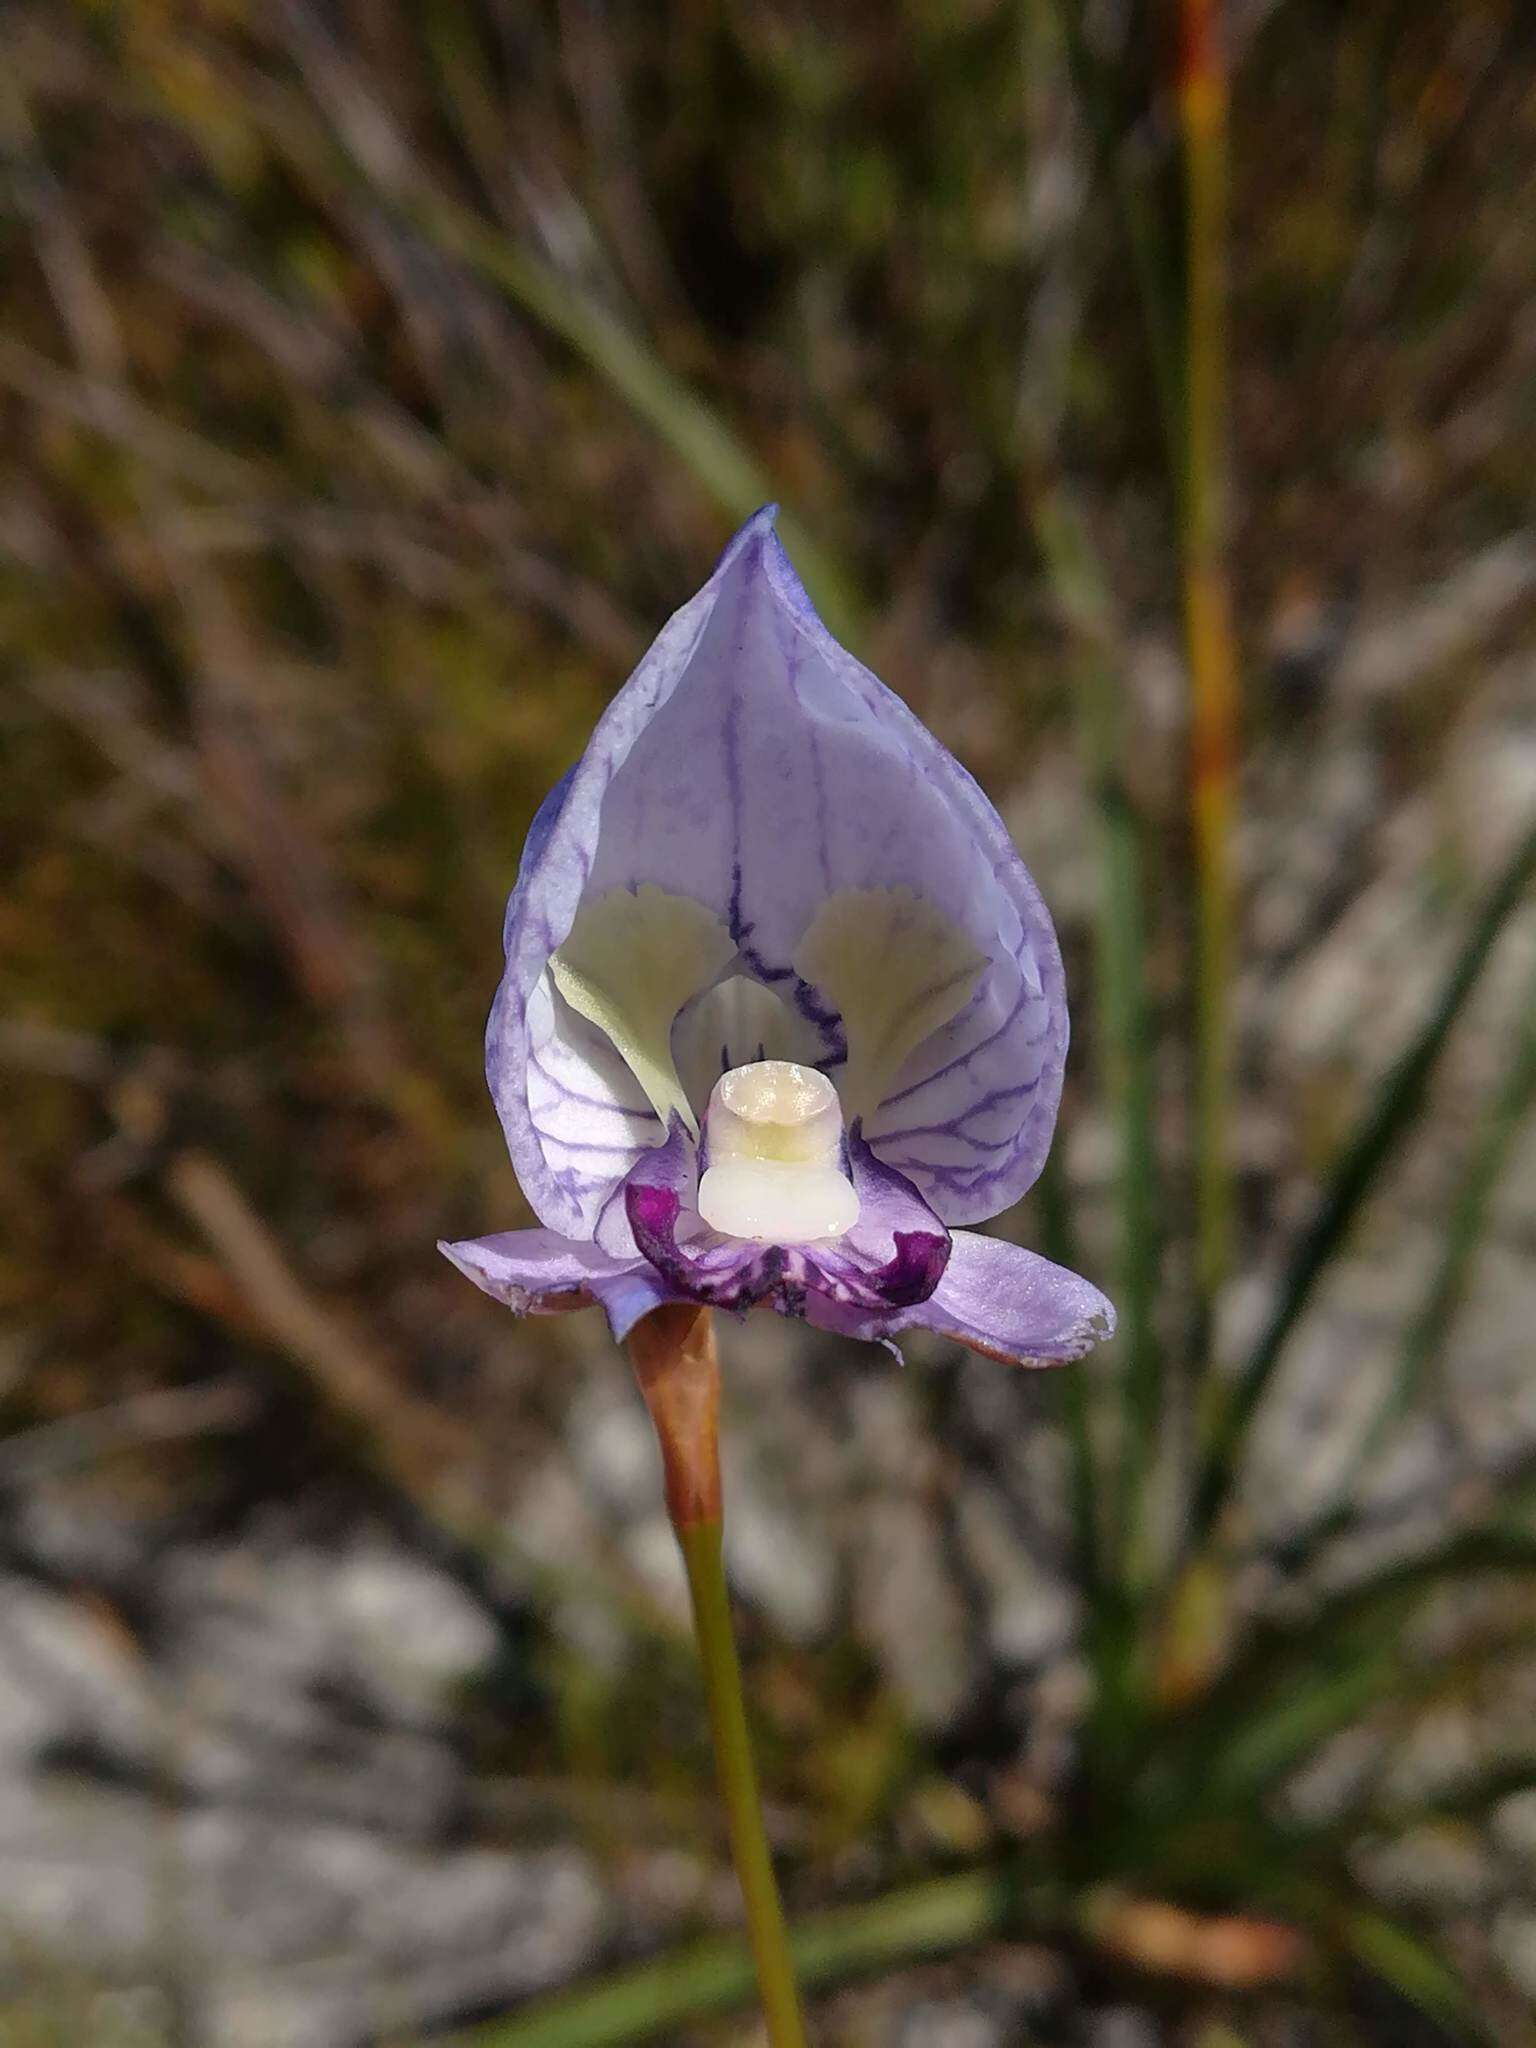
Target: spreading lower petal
[[539, 1272], [998, 1299]]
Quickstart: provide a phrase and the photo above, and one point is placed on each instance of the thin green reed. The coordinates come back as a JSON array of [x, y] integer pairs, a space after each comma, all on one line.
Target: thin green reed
[[1505, 1117], [921, 1923], [1202, 97], [1123, 1029], [1123, 165], [368, 158], [1386, 1122], [1508, 1114], [710, 449]]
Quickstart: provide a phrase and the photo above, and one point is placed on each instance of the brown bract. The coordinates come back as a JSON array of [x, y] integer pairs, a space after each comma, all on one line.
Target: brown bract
[[675, 1361]]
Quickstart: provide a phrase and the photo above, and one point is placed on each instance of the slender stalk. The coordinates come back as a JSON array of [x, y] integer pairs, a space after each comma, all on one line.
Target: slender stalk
[[673, 1351], [702, 1554], [1208, 622]]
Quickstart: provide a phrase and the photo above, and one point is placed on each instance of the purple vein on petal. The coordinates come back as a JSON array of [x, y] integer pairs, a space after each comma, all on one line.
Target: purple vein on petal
[[1021, 1002], [647, 1115], [730, 736], [955, 1126], [792, 648]]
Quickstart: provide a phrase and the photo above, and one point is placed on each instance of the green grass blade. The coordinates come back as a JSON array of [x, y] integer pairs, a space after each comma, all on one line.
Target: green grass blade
[[1124, 1027], [1466, 1800], [1126, 1023], [709, 448], [1120, 162], [1386, 1122], [1270, 1746], [1506, 1117], [1412, 1965], [1073, 1390], [1384, 1597], [695, 433], [713, 1977], [1513, 1102], [1296, 1683]]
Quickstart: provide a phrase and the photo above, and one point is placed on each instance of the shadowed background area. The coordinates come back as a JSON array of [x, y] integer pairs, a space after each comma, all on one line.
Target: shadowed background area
[[374, 380]]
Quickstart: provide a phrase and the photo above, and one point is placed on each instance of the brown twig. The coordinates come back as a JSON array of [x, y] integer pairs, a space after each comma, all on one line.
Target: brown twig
[[416, 1441]]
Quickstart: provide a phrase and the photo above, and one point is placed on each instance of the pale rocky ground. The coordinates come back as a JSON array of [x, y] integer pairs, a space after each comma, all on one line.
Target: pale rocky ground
[[265, 1835]]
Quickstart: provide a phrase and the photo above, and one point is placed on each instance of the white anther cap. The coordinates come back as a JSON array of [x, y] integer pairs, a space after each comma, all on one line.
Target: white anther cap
[[774, 1132]]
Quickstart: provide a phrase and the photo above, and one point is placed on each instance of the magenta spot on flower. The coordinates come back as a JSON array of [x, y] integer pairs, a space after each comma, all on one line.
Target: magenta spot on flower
[[916, 1270]]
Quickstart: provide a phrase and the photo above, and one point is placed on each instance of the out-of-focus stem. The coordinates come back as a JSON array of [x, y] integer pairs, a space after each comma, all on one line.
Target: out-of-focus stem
[[1125, 1041], [1202, 87], [674, 1356]]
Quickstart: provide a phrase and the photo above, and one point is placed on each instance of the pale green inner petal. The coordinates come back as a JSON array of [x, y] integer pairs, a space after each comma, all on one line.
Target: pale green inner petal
[[632, 960], [897, 969], [737, 1021]]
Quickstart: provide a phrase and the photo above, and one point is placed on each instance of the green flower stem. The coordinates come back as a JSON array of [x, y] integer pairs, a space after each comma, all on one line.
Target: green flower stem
[[673, 1352], [703, 1556]]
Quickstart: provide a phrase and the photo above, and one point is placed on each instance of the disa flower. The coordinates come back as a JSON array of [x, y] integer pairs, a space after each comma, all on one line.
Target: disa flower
[[782, 1006]]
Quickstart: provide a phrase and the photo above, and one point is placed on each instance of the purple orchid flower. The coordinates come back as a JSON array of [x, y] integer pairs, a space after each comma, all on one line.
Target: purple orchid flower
[[781, 1005]]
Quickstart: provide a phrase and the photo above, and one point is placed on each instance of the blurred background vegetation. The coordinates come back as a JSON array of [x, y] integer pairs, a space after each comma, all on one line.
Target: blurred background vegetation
[[375, 378]]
